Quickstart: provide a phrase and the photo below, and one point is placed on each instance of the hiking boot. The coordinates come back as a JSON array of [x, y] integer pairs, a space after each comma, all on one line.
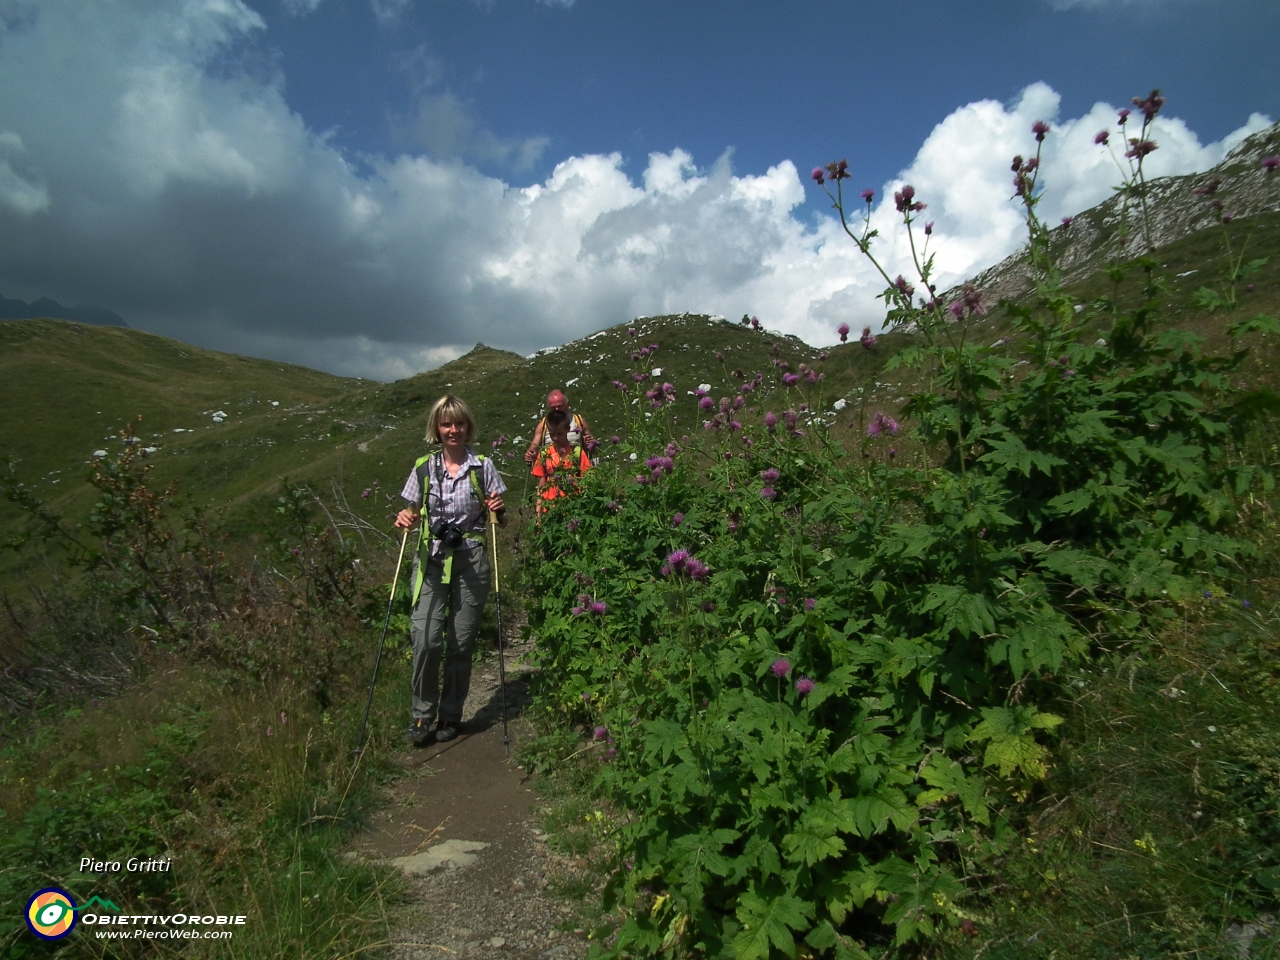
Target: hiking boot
[[419, 732], [446, 732]]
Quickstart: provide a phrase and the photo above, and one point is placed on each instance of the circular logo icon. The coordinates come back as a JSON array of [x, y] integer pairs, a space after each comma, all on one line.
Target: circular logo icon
[[51, 913]]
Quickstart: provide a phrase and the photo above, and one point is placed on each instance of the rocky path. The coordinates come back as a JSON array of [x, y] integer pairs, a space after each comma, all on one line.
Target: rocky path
[[461, 826]]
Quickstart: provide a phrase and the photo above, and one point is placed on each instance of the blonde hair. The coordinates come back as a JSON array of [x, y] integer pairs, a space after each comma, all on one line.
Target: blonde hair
[[452, 409]]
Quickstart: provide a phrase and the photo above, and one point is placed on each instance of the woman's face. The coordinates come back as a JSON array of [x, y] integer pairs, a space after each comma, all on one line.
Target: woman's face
[[453, 434]]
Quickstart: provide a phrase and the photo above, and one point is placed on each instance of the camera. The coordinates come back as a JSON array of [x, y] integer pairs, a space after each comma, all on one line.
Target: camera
[[449, 534]]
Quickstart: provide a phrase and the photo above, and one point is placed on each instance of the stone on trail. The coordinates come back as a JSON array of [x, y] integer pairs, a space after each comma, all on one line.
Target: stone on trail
[[448, 855]]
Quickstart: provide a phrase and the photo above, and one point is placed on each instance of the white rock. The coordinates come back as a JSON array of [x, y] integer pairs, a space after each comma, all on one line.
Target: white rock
[[443, 856], [99, 453], [839, 404], [704, 387], [656, 372], [275, 403]]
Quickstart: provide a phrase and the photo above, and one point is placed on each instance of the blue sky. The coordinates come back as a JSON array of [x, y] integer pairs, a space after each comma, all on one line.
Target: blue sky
[[372, 186], [767, 79]]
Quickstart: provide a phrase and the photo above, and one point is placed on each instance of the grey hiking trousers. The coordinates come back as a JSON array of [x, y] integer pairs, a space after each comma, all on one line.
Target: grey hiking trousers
[[443, 627]]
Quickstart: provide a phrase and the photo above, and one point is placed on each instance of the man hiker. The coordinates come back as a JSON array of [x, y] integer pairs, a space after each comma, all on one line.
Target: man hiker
[[557, 401], [559, 468]]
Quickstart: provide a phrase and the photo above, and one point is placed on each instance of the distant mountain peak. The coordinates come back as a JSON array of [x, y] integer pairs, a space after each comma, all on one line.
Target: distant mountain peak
[[44, 308]]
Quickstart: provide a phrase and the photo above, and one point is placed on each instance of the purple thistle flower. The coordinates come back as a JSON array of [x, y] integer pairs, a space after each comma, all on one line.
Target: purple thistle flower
[[695, 569], [810, 603], [790, 379], [631, 331], [817, 175], [1040, 128], [770, 475], [891, 425], [1269, 164], [615, 439], [1150, 106], [709, 606], [804, 686], [668, 464], [677, 559], [893, 452], [706, 403], [1124, 115], [771, 421], [874, 428], [1068, 221], [843, 330], [641, 479], [1246, 604], [755, 323], [1140, 148], [364, 494], [586, 698], [576, 611], [780, 668], [867, 195], [677, 520], [768, 493], [734, 425], [1102, 137], [600, 733], [599, 607], [957, 309], [868, 339]]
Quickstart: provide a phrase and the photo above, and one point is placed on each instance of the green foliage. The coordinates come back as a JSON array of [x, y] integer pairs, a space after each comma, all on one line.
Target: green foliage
[[814, 682]]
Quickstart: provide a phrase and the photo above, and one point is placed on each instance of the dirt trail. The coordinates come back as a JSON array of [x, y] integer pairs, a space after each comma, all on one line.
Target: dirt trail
[[461, 825]]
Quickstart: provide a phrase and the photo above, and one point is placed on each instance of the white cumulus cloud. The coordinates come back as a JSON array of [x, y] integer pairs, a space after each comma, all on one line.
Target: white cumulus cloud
[[140, 172]]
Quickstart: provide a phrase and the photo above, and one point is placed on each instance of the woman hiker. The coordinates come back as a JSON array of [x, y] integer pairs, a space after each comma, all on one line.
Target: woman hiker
[[454, 488]]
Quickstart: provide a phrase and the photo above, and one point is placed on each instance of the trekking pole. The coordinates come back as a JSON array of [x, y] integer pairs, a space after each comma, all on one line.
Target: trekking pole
[[528, 467], [497, 607], [381, 642]]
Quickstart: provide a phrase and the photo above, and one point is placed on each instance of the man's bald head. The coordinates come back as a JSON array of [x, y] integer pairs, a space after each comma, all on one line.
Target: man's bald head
[[556, 400]]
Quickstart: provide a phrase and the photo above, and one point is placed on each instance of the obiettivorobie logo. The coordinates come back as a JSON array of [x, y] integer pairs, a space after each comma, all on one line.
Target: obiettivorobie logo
[[51, 912]]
